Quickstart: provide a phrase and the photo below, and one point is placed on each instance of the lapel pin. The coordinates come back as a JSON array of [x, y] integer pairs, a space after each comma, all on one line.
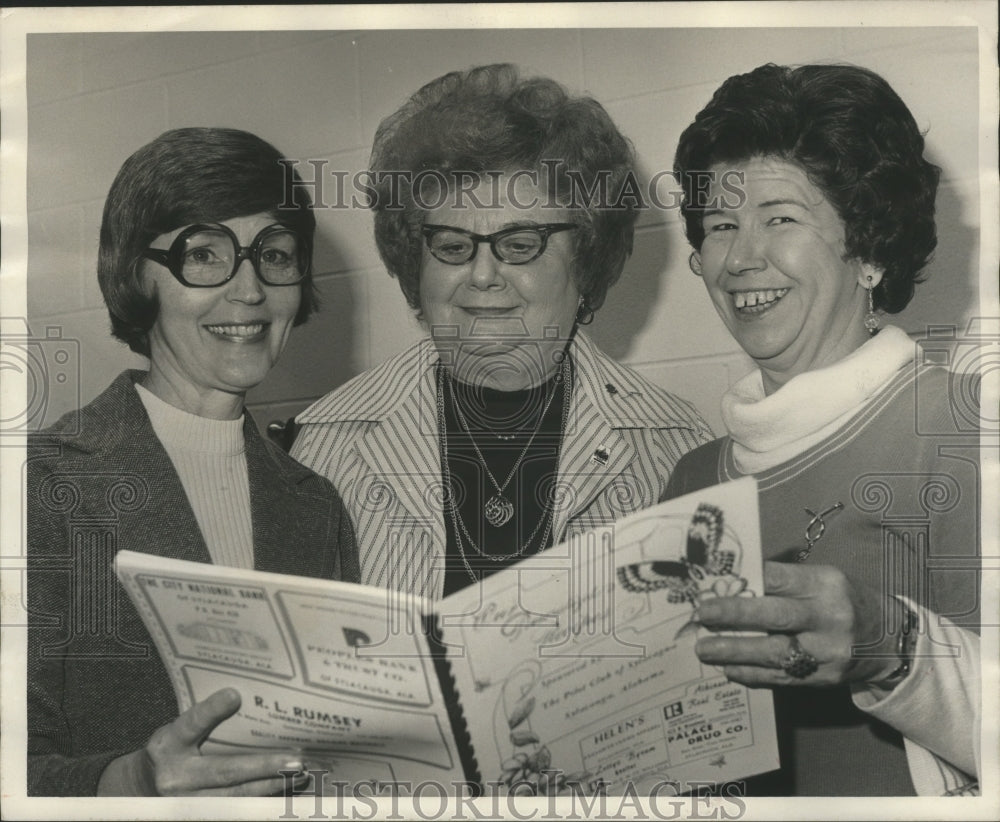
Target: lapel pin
[[611, 389], [600, 456]]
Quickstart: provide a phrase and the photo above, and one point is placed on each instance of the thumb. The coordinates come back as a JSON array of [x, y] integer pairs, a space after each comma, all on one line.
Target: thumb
[[197, 722]]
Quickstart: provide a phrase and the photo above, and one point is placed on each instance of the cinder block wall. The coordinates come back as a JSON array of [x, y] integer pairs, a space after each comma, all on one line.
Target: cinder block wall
[[95, 98]]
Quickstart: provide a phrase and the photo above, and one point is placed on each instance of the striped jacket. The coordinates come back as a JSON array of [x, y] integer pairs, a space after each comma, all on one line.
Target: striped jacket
[[376, 439]]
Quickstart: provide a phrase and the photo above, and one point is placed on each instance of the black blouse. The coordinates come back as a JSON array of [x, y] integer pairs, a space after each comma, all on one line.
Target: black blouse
[[475, 547]]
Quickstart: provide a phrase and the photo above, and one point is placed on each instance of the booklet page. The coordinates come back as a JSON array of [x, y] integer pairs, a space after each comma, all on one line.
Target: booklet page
[[338, 672], [577, 667]]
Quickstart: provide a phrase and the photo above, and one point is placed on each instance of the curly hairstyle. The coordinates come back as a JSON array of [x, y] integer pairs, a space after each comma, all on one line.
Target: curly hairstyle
[[488, 120], [185, 176], [855, 139]]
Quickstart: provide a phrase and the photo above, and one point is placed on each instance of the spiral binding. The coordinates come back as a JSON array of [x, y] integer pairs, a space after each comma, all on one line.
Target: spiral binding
[[449, 692]]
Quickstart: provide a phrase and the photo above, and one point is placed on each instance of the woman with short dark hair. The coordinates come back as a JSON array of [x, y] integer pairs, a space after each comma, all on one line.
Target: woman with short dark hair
[[868, 482], [205, 268], [856, 140], [163, 186], [497, 207]]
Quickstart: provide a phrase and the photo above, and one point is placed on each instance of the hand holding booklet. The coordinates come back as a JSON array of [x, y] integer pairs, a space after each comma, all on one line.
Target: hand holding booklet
[[572, 670]]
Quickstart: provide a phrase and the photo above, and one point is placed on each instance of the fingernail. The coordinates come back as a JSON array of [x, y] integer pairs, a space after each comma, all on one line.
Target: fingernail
[[294, 766]]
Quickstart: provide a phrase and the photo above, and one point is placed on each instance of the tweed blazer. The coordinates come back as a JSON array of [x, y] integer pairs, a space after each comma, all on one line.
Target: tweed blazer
[[376, 439], [99, 481]]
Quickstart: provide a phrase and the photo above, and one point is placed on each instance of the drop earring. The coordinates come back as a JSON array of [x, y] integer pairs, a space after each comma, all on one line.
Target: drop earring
[[871, 319]]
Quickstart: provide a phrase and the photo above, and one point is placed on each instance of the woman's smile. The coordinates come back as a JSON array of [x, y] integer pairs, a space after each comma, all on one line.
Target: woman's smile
[[488, 311], [756, 302], [240, 332]]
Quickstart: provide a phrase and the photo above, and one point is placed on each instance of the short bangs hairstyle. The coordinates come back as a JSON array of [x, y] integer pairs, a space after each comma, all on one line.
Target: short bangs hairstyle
[[855, 139], [487, 121], [186, 176]]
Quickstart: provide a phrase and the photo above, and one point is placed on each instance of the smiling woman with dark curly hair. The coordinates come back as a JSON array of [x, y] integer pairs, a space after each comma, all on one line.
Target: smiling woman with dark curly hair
[[834, 222]]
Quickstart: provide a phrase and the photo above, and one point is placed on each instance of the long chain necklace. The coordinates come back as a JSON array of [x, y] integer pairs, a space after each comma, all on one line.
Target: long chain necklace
[[456, 519], [499, 509]]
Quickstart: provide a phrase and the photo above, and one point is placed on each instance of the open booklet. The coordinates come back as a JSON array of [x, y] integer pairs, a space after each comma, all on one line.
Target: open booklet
[[573, 670]]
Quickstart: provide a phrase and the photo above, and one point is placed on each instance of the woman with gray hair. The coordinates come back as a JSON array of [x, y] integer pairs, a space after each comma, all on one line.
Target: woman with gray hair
[[498, 209]]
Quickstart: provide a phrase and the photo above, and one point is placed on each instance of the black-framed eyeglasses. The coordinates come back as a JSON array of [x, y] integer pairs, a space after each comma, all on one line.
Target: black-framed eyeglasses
[[514, 246], [206, 256]]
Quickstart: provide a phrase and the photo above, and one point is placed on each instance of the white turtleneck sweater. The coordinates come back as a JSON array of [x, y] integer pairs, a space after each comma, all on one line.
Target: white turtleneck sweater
[[210, 459], [769, 430]]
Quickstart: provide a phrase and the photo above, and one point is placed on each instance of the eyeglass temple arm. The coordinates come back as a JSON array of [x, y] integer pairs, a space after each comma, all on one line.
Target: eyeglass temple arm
[[157, 255]]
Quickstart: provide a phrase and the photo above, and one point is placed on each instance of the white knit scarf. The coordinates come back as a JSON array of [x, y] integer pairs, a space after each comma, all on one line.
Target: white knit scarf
[[769, 430]]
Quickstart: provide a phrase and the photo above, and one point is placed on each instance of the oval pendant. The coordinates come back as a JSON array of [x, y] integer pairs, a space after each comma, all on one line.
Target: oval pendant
[[498, 510]]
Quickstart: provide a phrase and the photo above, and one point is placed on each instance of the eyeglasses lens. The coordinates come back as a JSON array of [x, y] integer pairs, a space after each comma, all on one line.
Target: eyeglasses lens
[[452, 247], [280, 258], [209, 258], [519, 247]]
